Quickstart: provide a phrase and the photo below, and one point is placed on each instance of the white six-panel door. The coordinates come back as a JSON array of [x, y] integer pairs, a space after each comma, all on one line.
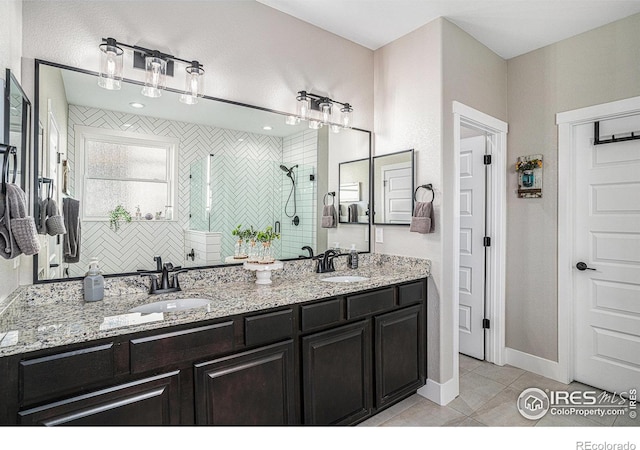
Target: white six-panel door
[[397, 193], [607, 239], [472, 250]]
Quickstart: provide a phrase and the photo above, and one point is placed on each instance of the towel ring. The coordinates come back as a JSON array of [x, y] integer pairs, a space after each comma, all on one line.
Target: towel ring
[[428, 187], [333, 197], [8, 150]]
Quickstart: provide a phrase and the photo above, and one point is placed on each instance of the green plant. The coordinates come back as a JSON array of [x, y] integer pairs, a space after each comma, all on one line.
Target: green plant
[[237, 231], [116, 215], [249, 234], [528, 165], [267, 235]]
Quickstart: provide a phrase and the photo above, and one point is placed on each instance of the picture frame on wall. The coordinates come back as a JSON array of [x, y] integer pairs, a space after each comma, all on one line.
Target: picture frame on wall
[[529, 170]]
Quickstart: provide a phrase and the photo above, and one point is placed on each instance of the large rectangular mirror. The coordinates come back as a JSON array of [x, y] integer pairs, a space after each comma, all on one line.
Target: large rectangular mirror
[[186, 174], [16, 126], [393, 183]]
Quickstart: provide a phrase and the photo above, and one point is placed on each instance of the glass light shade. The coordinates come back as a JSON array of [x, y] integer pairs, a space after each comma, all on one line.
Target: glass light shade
[[292, 120], [303, 107], [346, 118], [315, 124], [155, 77], [335, 128], [193, 84], [110, 65], [325, 111]]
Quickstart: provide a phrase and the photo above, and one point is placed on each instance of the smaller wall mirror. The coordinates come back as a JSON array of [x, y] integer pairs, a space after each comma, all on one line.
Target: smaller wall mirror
[[353, 193], [16, 126], [393, 184]]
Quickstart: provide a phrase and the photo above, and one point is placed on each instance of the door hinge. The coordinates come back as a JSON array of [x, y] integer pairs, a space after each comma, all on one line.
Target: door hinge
[[487, 160], [486, 323], [486, 241]]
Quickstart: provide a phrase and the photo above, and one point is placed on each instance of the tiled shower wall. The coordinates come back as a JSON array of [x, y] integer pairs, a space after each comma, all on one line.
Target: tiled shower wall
[[301, 149], [135, 244]]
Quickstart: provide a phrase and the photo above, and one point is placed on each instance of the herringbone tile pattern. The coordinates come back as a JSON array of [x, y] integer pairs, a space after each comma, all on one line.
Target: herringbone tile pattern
[[247, 187]]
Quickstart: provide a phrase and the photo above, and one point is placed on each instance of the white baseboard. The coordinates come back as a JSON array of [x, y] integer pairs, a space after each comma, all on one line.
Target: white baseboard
[[537, 365], [440, 393]]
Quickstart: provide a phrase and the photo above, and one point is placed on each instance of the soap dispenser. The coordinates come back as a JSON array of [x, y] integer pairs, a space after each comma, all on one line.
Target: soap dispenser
[[353, 257], [93, 283]]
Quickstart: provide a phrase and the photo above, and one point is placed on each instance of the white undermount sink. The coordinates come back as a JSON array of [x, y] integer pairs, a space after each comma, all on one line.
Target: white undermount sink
[[344, 279], [178, 304]]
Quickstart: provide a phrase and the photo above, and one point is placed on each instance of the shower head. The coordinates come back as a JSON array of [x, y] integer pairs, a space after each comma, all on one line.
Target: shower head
[[285, 169]]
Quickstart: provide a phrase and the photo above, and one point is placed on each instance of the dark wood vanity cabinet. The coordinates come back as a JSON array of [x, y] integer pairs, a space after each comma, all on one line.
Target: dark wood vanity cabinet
[[150, 401], [352, 371], [336, 375], [256, 387], [333, 361]]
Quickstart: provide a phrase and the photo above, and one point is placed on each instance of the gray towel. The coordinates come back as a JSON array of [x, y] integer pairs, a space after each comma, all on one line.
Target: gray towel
[[71, 241], [18, 232], [54, 223], [41, 216], [329, 219], [353, 213], [422, 220]]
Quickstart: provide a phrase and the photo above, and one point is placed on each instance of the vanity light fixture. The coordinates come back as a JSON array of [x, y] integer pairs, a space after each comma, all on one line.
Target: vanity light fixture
[[110, 65], [157, 66], [318, 111]]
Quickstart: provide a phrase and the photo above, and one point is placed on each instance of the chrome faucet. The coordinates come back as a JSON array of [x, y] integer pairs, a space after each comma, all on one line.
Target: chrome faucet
[[168, 278]]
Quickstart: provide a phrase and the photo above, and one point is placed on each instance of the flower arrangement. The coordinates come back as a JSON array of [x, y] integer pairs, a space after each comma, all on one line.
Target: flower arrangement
[[521, 166], [116, 215], [268, 235]]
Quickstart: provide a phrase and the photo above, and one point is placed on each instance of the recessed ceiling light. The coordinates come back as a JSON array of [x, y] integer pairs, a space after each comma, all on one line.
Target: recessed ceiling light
[[267, 128], [136, 105]]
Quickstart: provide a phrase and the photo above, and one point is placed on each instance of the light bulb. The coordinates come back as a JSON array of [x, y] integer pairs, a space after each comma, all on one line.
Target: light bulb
[[110, 65], [193, 84]]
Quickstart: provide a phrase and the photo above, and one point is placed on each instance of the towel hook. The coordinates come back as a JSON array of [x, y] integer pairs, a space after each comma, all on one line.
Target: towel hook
[[333, 197], [428, 187]]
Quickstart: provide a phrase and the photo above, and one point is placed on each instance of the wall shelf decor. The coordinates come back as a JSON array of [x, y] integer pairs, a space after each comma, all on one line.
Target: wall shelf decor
[[529, 170]]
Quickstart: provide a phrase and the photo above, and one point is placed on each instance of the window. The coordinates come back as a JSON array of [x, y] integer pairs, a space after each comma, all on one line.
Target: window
[[125, 168]]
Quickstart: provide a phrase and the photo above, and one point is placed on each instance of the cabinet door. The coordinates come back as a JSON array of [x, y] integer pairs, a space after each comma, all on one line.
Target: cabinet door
[[151, 401], [251, 388], [399, 354], [336, 371]]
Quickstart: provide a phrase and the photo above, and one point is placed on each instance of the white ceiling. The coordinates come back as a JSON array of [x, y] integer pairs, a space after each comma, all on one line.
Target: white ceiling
[[508, 27]]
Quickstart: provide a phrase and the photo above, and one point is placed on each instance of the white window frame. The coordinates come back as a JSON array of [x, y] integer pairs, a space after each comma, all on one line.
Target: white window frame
[[84, 133]]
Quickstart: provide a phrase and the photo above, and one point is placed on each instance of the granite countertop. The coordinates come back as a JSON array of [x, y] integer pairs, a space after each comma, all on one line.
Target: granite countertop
[[54, 314]]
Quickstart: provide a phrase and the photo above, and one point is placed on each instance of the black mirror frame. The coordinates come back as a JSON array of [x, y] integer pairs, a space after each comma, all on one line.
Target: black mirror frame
[[372, 209], [36, 168]]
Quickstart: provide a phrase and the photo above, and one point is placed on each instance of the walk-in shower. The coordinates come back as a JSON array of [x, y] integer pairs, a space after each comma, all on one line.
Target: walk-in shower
[[290, 173]]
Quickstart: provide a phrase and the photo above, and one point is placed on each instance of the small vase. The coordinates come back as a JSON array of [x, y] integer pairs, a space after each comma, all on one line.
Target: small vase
[[253, 254], [266, 256], [527, 178], [239, 250]]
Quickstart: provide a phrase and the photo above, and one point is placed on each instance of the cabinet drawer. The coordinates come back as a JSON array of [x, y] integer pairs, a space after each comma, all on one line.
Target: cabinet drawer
[[51, 376], [369, 303], [411, 293], [320, 314], [270, 327], [170, 349]]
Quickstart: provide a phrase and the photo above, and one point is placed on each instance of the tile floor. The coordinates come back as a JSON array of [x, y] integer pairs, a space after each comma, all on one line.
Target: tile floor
[[488, 395]]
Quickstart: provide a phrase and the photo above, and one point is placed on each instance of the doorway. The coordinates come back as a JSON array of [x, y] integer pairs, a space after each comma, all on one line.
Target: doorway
[[488, 324], [599, 245], [474, 175]]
